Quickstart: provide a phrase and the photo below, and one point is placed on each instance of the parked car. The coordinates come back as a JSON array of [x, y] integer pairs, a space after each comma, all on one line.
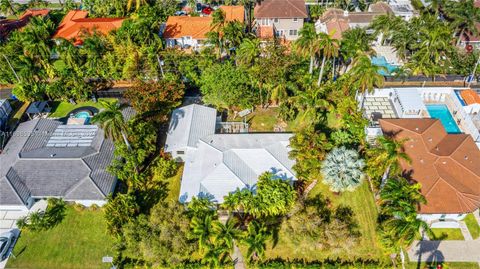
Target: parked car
[[207, 10], [181, 13], [6, 241], [199, 7]]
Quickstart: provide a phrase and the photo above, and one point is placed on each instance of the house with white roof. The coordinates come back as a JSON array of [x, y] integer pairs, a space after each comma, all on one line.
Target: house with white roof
[[217, 164]]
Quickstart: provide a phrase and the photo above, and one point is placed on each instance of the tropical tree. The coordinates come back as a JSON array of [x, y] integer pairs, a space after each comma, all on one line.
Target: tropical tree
[[138, 4], [37, 3], [256, 239], [384, 159], [233, 32], [111, 120], [202, 230], [342, 169], [365, 76], [400, 226], [386, 25], [226, 234], [248, 51], [353, 41], [329, 49], [308, 43], [6, 7], [465, 16]]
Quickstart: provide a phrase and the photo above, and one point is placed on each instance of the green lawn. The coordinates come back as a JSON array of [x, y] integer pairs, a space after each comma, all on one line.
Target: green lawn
[[472, 225], [263, 120], [362, 203], [79, 241], [174, 185], [62, 109], [449, 265], [447, 234]]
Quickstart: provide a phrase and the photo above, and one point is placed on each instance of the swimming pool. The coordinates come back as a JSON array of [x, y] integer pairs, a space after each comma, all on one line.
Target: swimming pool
[[442, 113], [382, 61], [83, 115]]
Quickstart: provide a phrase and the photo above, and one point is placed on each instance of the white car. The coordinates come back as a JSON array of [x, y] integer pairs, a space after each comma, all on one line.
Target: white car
[[6, 240]]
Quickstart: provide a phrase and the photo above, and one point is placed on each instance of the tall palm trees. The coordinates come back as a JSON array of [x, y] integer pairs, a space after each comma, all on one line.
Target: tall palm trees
[[366, 75], [112, 121], [385, 159], [465, 16], [329, 49], [6, 7], [249, 51], [307, 43], [256, 239]]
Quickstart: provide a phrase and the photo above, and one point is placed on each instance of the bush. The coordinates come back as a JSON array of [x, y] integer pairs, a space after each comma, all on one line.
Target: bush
[[44, 220]]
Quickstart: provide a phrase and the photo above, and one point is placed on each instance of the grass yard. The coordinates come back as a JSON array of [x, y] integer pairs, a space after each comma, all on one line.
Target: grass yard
[[61, 109], [472, 225], [79, 241], [449, 265], [362, 203], [174, 185], [263, 120], [447, 234]]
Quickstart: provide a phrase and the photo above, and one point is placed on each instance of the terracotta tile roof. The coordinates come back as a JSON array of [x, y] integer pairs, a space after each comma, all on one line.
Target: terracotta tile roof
[[446, 165], [265, 32], [380, 7], [469, 37], [470, 97], [338, 20], [280, 9], [76, 21], [198, 27], [234, 13], [8, 26]]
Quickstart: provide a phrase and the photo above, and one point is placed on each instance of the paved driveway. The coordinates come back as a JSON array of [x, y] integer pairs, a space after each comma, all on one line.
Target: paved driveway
[[8, 222]]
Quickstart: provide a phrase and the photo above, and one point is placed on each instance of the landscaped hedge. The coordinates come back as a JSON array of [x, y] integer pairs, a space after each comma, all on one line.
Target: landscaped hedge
[[279, 263]]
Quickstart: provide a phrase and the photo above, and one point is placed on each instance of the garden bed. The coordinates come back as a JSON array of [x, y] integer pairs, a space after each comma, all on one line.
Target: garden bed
[[79, 241]]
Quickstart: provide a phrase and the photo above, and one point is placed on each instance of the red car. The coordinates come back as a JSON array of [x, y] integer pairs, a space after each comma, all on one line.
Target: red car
[[207, 10]]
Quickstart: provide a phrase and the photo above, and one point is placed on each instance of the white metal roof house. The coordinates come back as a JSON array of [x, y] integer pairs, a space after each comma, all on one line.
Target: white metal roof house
[[46, 158], [217, 164]]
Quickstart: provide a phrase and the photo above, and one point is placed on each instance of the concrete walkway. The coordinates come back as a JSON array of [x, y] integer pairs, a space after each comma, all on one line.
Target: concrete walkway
[[237, 258], [467, 250]]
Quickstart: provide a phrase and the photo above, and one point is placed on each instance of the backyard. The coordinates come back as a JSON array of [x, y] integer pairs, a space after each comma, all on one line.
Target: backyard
[[61, 109], [79, 241], [362, 203], [263, 120]]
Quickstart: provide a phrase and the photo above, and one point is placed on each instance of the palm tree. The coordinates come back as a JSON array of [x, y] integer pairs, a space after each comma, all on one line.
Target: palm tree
[[365, 75], [386, 25], [256, 239], [313, 104], [248, 52], [234, 34], [6, 7], [138, 4], [386, 157], [399, 196], [111, 120], [202, 230], [37, 3], [226, 234], [215, 255], [342, 169], [329, 49], [308, 43], [465, 16]]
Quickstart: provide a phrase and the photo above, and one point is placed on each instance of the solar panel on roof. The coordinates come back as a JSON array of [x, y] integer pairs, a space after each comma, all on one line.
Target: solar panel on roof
[[73, 136]]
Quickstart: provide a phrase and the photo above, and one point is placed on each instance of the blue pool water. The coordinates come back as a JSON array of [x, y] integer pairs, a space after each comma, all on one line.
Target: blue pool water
[[83, 115], [381, 61], [442, 113]]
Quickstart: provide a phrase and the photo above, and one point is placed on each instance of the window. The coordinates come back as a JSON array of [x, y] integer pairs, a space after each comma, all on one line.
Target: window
[[180, 152], [265, 21], [292, 32], [280, 32], [275, 20], [295, 19]]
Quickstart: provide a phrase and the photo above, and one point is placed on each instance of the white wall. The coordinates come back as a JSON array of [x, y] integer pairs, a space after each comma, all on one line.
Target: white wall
[[88, 203], [437, 217]]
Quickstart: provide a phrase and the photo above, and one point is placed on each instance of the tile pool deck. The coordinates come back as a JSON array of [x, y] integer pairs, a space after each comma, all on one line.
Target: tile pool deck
[[442, 113]]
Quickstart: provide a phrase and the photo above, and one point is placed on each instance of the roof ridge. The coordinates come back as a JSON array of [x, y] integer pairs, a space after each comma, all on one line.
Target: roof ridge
[[273, 155], [290, 3]]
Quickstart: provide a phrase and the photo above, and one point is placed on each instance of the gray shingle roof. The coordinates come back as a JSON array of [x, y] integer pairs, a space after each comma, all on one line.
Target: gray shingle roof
[[37, 170]]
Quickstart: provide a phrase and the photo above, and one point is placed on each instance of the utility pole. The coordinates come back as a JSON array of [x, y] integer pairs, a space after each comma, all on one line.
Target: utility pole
[[474, 70], [13, 70]]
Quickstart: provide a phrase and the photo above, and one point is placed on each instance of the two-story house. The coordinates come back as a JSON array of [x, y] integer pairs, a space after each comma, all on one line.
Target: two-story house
[[280, 18]]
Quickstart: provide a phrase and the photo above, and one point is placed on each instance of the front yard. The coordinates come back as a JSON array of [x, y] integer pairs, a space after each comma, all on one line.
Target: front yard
[[472, 225], [362, 203], [447, 234], [79, 241]]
